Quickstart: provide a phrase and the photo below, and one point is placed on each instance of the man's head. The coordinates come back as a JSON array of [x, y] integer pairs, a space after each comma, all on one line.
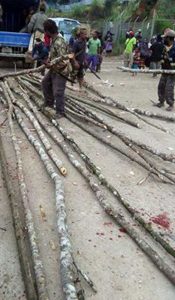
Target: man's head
[[131, 34], [169, 37], [38, 41], [83, 34], [95, 34], [42, 7], [50, 28]]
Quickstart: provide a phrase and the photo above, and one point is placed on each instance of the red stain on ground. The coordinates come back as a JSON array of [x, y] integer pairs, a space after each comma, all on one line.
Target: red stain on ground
[[161, 220], [122, 230]]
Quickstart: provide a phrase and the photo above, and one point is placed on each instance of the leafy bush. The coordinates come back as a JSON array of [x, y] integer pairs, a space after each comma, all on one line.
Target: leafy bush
[[162, 24], [97, 9]]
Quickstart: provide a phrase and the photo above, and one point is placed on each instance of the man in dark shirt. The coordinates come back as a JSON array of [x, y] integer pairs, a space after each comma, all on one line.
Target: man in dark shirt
[[167, 81], [156, 54], [79, 50]]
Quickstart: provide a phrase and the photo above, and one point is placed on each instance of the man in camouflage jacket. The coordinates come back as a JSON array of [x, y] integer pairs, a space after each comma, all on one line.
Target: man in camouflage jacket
[[54, 82]]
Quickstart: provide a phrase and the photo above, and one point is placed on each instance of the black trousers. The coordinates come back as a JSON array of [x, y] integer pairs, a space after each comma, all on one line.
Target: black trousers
[[166, 89], [53, 86]]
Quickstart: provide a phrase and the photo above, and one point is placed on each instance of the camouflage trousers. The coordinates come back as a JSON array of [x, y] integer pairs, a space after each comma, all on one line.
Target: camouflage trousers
[[166, 89]]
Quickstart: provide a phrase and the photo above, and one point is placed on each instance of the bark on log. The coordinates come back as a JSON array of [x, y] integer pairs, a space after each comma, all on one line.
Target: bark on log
[[24, 250], [58, 163], [154, 115], [38, 266], [144, 71], [95, 170], [114, 103], [126, 140], [104, 110], [66, 259], [142, 163], [33, 70], [130, 143], [72, 110], [154, 256]]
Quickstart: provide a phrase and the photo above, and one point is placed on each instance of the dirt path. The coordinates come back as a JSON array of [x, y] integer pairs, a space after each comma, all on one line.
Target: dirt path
[[118, 267]]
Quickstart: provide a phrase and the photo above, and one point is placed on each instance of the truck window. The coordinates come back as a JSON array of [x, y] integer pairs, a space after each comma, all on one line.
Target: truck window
[[67, 26]]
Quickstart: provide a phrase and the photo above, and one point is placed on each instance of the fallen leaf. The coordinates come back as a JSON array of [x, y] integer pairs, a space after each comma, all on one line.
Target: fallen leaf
[[43, 214], [132, 173], [52, 245]]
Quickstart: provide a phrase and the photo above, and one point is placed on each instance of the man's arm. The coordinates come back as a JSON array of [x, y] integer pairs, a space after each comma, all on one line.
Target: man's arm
[[31, 25], [99, 46]]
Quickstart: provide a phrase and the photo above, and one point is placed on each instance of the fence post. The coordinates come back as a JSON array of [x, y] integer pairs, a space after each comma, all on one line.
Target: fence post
[[153, 23]]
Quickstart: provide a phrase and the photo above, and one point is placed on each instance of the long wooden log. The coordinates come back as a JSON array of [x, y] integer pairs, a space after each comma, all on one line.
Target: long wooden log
[[104, 101], [72, 110], [104, 110], [23, 245], [143, 164], [154, 115], [34, 70], [129, 141], [145, 71], [126, 140], [109, 102], [154, 256], [31, 80], [38, 265], [159, 173], [58, 163], [116, 104], [150, 169], [30, 87], [66, 259], [35, 110]]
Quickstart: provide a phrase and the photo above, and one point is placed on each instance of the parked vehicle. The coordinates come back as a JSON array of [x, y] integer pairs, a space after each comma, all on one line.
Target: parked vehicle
[[14, 44], [66, 26]]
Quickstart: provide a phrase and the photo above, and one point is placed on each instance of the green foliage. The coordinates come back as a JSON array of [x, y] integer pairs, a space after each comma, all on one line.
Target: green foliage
[[166, 9], [79, 11], [97, 9], [162, 24], [90, 12], [119, 46]]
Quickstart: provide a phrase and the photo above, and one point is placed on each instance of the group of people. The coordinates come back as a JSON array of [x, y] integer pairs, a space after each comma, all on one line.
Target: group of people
[[137, 53], [96, 48], [158, 54]]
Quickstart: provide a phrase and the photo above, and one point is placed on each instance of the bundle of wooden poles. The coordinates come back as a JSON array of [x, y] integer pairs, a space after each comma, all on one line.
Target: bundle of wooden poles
[[21, 94]]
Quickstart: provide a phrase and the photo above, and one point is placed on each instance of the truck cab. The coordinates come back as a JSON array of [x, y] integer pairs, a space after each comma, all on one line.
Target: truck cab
[[66, 26]]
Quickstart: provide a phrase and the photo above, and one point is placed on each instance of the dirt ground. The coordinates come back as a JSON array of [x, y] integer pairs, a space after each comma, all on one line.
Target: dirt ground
[[119, 269]]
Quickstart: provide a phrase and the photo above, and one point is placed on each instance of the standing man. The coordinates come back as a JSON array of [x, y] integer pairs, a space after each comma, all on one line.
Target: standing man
[[94, 46], [129, 48], [54, 82], [156, 54], [36, 23], [79, 50], [167, 81]]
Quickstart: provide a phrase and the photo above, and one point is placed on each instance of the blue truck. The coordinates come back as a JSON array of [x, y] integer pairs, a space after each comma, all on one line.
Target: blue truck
[[14, 44]]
